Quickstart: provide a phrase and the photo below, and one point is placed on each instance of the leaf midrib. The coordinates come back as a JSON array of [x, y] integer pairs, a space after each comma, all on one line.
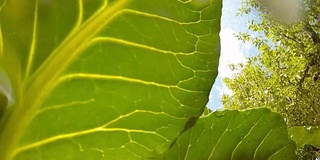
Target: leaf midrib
[[69, 50], [40, 83]]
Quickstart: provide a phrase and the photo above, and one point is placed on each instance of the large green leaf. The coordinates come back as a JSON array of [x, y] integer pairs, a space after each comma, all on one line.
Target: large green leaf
[[253, 134], [305, 135], [99, 79]]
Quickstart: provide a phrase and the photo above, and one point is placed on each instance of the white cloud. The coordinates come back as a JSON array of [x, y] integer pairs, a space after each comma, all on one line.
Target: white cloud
[[230, 53]]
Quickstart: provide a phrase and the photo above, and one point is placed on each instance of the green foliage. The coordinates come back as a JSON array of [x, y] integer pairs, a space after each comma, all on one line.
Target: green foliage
[[305, 135], [307, 139], [308, 152], [104, 79], [120, 79], [253, 134], [285, 75]]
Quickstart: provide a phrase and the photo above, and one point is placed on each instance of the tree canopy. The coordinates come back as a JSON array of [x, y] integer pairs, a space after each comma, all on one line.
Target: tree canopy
[[284, 76]]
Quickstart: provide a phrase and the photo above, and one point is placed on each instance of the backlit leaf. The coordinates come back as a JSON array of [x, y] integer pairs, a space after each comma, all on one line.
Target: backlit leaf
[[253, 134], [305, 135], [99, 79]]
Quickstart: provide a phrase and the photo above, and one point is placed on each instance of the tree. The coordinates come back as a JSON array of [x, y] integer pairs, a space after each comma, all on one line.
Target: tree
[[284, 77]]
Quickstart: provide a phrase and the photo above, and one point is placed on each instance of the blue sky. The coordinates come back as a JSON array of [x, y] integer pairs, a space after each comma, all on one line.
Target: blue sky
[[232, 50]]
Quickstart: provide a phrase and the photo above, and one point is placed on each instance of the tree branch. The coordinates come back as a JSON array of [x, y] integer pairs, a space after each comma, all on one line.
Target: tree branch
[[314, 36]]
